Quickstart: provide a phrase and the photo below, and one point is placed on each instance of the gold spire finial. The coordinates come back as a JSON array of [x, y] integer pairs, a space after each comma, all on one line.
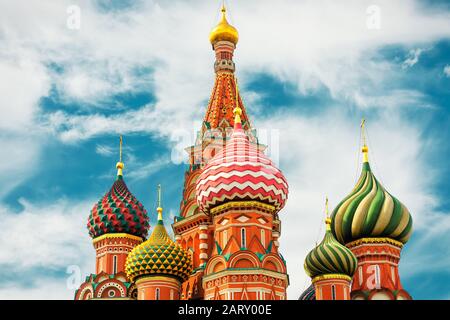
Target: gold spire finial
[[224, 31], [159, 209], [120, 164], [327, 214], [237, 110], [365, 148], [223, 9]]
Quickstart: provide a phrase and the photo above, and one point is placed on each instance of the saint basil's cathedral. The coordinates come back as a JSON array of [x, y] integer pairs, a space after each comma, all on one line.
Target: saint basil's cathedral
[[227, 232]]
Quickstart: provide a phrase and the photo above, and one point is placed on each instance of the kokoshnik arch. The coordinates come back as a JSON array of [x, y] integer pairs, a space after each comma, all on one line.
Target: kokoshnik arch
[[228, 228]]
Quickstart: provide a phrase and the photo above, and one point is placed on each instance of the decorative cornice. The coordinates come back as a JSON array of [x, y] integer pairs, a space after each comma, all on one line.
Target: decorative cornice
[[116, 235], [374, 241], [195, 220], [331, 276], [242, 205], [246, 271], [167, 278]]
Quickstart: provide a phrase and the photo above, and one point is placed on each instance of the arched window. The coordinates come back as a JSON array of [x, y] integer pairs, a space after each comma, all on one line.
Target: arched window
[[224, 238], [393, 274], [377, 277], [243, 238], [263, 238], [157, 292], [171, 294], [114, 264], [333, 292], [360, 275]]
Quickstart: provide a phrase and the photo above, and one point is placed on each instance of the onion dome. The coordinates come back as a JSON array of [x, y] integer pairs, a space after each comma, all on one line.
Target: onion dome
[[369, 211], [224, 31], [330, 257], [308, 294], [118, 211], [240, 172], [159, 255]]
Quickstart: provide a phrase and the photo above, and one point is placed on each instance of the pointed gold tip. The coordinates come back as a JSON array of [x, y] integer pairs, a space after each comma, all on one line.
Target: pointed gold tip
[[237, 111], [237, 115]]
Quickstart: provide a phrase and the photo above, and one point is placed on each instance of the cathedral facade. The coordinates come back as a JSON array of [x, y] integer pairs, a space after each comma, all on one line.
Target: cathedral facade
[[226, 243]]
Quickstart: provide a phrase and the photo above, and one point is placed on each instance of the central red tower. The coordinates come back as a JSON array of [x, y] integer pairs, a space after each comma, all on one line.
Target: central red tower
[[219, 236]]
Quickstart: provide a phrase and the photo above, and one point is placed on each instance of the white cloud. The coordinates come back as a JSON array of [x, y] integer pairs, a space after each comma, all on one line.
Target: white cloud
[[45, 237], [25, 82], [46, 288], [447, 70], [144, 170], [104, 150], [62, 234], [412, 58], [20, 155], [291, 42]]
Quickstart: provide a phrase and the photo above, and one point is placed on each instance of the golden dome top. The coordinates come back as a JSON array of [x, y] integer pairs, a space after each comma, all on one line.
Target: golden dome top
[[224, 31]]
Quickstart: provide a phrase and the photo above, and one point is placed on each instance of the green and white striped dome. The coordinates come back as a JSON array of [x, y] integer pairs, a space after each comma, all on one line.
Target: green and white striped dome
[[369, 211], [330, 258]]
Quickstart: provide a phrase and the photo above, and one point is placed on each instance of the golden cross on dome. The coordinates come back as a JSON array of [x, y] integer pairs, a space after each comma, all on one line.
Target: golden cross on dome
[[327, 214], [120, 148], [363, 125], [120, 164], [159, 208], [365, 148]]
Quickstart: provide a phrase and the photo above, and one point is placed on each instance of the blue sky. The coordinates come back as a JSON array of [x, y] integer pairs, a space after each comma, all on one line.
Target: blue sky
[[144, 69]]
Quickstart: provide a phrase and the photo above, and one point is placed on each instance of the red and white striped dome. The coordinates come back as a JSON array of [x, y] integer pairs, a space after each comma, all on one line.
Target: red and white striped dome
[[240, 171]]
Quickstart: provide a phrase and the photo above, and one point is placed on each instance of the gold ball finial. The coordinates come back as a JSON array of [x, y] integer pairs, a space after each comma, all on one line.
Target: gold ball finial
[[119, 167]]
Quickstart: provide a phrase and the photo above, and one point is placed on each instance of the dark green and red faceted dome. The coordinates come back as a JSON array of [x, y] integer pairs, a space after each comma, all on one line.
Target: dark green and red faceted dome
[[118, 212]]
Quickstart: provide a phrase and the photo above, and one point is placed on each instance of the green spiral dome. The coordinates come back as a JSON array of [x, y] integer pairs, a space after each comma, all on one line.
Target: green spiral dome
[[330, 257], [369, 211]]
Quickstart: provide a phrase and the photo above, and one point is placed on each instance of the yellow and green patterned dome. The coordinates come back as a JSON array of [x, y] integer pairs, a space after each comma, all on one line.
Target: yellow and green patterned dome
[[369, 211], [159, 255], [330, 257]]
